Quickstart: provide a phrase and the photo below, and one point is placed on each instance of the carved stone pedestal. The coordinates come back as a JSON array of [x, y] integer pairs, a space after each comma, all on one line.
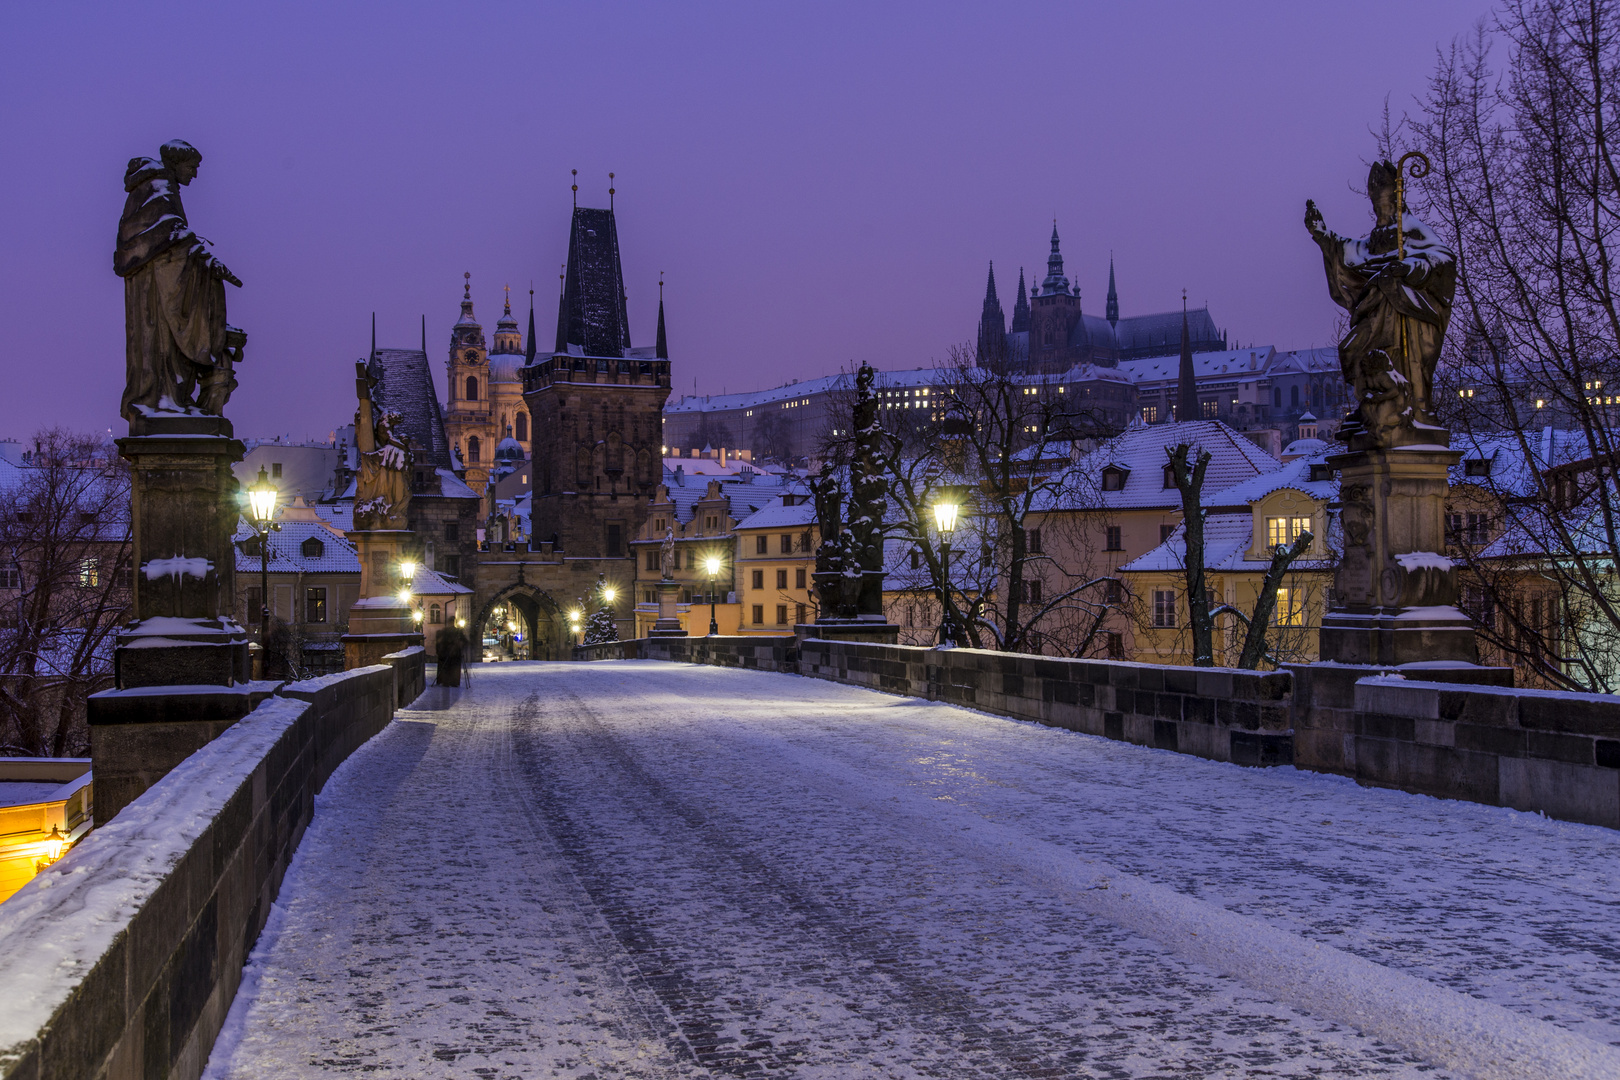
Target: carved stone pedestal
[[1395, 593], [669, 623], [878, 631], [380, 621], [183, 667]]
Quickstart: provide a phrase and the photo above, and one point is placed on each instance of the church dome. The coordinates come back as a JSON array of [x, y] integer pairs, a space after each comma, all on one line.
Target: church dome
[[505, 367], [509, 449]]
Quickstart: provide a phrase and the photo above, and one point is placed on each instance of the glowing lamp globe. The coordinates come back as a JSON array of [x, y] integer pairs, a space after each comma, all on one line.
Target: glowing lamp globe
[[55, 844], [407, 570], [609, 593], [262, 498], [945, 516], [712, 565]]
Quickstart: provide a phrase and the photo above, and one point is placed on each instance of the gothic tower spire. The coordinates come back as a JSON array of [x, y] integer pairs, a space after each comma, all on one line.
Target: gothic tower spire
[[1112, 311], [1055, 281], [1020, 319], [992, 324], [1187, 405], [528, 352], [662, 350]]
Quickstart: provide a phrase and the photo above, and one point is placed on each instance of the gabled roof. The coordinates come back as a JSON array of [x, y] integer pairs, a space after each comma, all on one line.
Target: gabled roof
[[406, 387], [1296, 474], [1141, 449], [1226, 546], [1163, 328], [777, 516], [287, 550]]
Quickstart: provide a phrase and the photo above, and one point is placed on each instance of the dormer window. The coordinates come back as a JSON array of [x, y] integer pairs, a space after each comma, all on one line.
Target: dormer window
[[313, 548], [1321, 471], [1114, 477], [1169, 477]]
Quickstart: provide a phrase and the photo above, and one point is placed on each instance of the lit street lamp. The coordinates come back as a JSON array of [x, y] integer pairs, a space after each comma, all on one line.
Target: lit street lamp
[[712, 565], [262, 514], [946, 509]]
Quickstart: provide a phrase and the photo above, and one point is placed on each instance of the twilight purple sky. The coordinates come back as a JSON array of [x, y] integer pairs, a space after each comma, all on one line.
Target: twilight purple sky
[[821, 183]]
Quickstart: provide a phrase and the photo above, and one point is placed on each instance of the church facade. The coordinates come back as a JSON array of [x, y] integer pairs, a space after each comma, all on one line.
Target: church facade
[[1051, 332]]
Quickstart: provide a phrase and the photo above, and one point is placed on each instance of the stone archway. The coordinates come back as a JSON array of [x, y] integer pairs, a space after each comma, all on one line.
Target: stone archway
[[541, 629]]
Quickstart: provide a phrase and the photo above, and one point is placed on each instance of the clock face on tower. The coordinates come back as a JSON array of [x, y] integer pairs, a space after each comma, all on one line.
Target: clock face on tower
[[472, 356]]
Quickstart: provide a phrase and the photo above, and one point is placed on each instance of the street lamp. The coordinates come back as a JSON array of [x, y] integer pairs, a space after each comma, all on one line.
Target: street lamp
[[712, 565], [262, 514], [946, 509]]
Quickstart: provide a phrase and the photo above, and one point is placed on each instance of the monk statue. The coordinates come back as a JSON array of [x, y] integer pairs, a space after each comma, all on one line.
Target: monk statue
[[180, 353], [383, 490], [666, 556], [1398, 290]]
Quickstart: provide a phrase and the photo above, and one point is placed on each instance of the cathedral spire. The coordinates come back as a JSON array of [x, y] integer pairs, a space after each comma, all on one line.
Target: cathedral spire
[[992, 325], [1055, 281], [374, 335], [1112, 311], [1187, 405], [1020, 320], [662, 351]]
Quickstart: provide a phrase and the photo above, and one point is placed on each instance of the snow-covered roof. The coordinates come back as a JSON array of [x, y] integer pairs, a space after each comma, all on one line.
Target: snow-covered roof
[[1226, 546], [336, 554], [777, 516], [429, 583], [1304, 447], [505, 367], [1296, 474], [1141, 449], [1235, 363]]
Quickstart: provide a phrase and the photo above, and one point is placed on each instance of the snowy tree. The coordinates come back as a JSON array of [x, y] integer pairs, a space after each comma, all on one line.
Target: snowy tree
[[601, 626]]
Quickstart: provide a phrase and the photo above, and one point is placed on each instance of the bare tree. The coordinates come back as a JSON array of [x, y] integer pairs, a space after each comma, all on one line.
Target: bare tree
[[64, 587], [1187, 470], [1022, 575], [1525, 179]]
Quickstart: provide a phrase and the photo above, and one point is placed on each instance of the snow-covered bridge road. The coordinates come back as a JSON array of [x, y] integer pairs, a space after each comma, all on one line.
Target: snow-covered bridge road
[[640, 869]]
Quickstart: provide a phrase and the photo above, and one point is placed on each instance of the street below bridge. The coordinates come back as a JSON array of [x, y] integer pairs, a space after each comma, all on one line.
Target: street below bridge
[[637, 869]]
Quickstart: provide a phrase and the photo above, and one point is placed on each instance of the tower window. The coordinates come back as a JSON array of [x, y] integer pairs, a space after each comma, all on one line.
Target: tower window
[[522, 427], [474, 448], [472, 388]]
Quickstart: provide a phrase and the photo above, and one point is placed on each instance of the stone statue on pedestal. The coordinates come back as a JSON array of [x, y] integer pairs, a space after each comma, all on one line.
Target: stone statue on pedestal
[[666, 555], [382, 492], [180, 353], [1395, 591], [1397, 284]]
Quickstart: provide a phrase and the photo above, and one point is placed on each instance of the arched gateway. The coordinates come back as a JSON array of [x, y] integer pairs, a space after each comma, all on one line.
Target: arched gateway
[[520, 622]]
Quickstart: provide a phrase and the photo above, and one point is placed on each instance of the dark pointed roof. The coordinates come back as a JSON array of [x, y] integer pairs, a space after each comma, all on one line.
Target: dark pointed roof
[[992, 323], [1112, 308], [1055, 281], [1020, 319], [1187, 397], [662, 351], [405, 386], [591, 315], [528, 352]]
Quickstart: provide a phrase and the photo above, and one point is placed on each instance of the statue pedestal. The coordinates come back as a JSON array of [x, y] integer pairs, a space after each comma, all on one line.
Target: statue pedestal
[[1395, 593], [380, 621], [668, 624], [183, 665], [876, 631]]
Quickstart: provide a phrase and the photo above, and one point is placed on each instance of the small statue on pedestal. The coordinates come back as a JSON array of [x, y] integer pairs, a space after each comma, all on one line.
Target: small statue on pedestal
[[180, 353], [1397, 283]]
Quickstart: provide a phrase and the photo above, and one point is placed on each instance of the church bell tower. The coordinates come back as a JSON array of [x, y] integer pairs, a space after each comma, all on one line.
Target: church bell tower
[[467, 421]]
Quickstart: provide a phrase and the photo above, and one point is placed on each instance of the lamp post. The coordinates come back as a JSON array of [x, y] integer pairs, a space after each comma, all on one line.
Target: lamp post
[[945, 513], [262, 513], [712, 565]]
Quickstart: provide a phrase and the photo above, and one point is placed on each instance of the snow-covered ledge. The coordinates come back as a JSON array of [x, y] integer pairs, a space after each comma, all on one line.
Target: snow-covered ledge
[[123, 958]]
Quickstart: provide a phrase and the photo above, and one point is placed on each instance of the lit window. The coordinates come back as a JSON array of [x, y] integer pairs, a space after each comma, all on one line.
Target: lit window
[[89, 572], [1282, 531], [1290, 607]]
